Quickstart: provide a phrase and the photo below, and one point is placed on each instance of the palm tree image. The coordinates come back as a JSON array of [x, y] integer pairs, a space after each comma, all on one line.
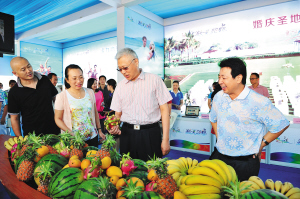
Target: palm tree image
[[189, 42], [169, 45]]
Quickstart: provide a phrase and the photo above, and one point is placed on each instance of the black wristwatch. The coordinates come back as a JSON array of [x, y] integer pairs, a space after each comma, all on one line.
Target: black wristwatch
[[265, 141]]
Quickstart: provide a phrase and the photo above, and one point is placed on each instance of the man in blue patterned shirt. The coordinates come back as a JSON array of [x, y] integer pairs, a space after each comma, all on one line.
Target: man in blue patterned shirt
[[239, 117]]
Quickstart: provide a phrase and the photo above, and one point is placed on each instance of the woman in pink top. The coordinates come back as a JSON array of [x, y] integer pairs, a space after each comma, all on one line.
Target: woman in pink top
[[92, 84]]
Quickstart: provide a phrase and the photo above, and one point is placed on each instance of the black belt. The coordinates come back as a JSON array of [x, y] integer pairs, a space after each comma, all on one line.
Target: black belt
[[246, 157], [140, 127]]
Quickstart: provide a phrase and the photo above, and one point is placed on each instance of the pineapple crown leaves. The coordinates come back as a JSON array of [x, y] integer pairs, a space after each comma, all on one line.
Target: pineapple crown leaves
[[96, 162], [114, 154], [78, 140], [125, 157], [35, 141], [109, 142], [66, 137], [106, 188], [131, 189], [45, 171], [50, 139], [30, 153], [158, 164], [233, 190]]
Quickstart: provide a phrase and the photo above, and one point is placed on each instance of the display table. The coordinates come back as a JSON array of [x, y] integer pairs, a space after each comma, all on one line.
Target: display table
[[8, 177], [194, 135]]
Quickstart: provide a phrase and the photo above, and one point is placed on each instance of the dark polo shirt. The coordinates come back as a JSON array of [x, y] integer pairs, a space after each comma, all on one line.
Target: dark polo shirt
[[105, 92], [35, 106]]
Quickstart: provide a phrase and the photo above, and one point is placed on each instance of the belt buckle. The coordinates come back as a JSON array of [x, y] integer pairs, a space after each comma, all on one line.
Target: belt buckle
[[136, 127]]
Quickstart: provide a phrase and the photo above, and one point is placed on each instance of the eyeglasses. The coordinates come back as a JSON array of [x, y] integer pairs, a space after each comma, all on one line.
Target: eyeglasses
[[126, 67], [253, 78]]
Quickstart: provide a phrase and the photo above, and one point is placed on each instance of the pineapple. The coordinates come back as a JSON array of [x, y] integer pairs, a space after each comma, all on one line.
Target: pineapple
[[106, 146], [44, 174], [26, 168], [78, 143], [105, 189], [166, 185], [131, 190]]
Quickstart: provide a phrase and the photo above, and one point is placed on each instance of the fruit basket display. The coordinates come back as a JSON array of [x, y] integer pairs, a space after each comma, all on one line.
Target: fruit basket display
[[63, 166]]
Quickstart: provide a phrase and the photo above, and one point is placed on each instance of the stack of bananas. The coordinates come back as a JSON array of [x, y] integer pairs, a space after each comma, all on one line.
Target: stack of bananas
[[12, 141], [286, 188], [201, 180]]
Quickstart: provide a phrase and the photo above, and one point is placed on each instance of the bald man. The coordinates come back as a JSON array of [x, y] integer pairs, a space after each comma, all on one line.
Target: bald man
[[32, 98]]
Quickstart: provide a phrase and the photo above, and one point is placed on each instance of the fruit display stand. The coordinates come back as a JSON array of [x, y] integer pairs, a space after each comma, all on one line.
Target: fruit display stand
[[17, 189]]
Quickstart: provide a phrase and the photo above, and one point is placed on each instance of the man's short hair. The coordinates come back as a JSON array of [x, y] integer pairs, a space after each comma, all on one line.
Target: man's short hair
[[144, 37], [238, 67], [50, 75], [126, 51], [256, 74], [12, 81], [102, 76]]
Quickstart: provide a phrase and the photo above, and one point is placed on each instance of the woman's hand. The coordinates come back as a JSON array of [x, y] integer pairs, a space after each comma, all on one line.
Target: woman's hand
[[102, 136]]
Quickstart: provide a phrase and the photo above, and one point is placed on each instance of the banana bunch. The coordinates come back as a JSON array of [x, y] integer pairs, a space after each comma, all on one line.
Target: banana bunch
[[204, 179], [254, 183], [286, 188], [12, 141]]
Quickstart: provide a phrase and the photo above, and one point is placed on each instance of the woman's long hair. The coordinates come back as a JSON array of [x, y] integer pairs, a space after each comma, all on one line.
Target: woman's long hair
[[217, 89], [90, 82]]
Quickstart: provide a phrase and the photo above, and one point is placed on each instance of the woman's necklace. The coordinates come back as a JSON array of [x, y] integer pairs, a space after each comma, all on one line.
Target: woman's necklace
[[76, 95]]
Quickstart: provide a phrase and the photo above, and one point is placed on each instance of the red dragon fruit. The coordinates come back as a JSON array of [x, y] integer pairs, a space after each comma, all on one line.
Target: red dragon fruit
[[65, 152], [127, 164], [111, 121], [93, 170], [151, 186]]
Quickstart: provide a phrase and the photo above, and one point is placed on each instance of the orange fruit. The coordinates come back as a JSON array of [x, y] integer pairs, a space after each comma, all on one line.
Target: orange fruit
[[114, 179], [119, 193], [152, 175], [42, 151], [71, 147], [120, 183], [74, 157], [85, 163], [75, 163], [114, 171], [139, 182], [106, 162], [91, 153]]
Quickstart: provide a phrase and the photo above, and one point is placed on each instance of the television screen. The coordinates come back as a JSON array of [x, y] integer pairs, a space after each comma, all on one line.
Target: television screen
[[7, 34]]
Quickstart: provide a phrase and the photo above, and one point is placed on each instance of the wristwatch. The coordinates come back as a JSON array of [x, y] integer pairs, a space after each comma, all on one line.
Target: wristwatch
[[265, 141]]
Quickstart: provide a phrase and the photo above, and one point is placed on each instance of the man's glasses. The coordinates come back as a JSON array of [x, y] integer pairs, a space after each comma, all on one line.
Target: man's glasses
[[253, 78], [125, 68]]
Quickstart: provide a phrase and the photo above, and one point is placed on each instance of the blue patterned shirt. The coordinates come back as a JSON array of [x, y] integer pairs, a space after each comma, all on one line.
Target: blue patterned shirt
[[3, 99], [241, 122]]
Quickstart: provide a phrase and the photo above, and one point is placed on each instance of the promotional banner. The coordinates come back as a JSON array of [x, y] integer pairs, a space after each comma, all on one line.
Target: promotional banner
[[285, 150], [145, 37], [43, 59], [266, 38], [95, 58], [191, 135]]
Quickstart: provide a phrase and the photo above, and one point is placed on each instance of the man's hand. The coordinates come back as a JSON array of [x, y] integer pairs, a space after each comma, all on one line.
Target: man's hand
[[165, 147], [115, 130], [2, 121]]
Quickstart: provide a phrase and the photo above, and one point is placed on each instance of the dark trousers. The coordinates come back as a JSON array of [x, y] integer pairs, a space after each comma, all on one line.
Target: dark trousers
[[142, 144], [102, 126], [244, 166], [93, 142]]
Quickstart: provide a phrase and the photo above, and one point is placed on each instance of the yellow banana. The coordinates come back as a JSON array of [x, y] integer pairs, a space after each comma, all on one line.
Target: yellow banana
[[292, 191], [215, 166], [185, 161], [233, 173], [258, 181], [184, 178], [11, 141], [195, 162], [252, 184], [224, 166], [190, 161], [200, 189], [191, 169], [286, 187], [25, 138], [178, 181], [201, 179], [270, 184], [176, 175], [183, 186], [247, 190], [295, 196], [278, 185], [16, 140], [21, 138], [208, 172], [172, 169], [182, 162], [7, 145], [174, 162], [205, 196]]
